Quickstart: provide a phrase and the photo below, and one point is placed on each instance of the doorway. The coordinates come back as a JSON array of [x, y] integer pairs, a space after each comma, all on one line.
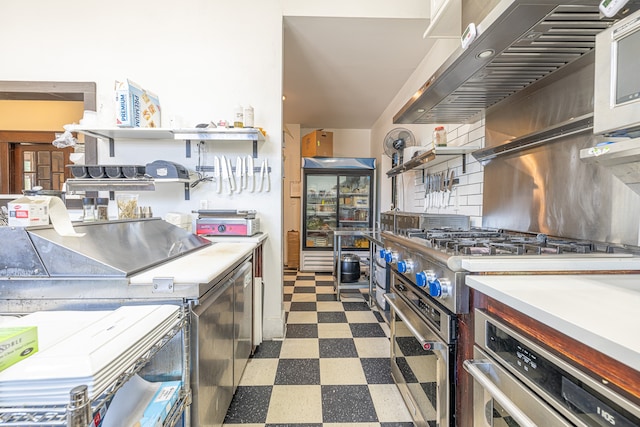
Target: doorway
[[27, 158], [32, 161]]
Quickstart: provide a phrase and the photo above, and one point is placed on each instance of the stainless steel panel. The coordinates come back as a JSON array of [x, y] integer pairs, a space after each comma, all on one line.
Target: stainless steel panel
[[530, 39], [212, 356], [242, 320], [548, 189], [107, 249]]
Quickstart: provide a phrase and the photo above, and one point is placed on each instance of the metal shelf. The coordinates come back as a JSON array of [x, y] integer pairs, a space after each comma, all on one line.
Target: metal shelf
[[58, 415], [123, 184], [433, 157], [187, 135]]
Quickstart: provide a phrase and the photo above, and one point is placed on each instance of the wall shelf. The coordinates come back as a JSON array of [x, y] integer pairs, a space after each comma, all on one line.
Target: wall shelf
[[123, 184], [433, 157], [187, 135]]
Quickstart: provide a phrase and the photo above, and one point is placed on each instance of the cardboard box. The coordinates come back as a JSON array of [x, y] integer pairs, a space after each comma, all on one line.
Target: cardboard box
[[161, 404], [26, 211], [317, 144], [135, 106], [16, 344]]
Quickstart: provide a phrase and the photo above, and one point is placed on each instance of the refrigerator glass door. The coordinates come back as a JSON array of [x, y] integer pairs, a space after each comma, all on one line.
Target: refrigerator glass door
[[354, 201], [320, 210]]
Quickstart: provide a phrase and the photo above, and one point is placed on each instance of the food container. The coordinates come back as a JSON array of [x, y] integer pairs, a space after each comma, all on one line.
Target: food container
[[133, 171], [440, 137], [127, 206], [79, 171], [113, 171], [350, 268], [96, 171]]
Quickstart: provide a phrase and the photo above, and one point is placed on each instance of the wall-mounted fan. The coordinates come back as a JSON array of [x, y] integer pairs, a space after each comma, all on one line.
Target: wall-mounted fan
[[395, 142]]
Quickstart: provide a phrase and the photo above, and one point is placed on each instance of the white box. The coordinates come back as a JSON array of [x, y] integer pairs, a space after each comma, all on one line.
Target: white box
[[161, 404], [135, 106], [26, 211]]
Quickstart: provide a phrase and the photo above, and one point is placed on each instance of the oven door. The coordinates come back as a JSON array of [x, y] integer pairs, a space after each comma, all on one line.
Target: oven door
[[420, 366], [500, 399]]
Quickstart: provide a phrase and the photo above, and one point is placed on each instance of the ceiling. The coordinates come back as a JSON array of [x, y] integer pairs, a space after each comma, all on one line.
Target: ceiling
[[342, 73]]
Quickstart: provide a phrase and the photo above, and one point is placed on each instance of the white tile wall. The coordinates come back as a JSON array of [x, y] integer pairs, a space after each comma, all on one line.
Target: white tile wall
[[466, 197]]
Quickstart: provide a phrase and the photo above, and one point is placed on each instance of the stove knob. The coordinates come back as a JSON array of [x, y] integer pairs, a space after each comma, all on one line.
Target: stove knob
[[405, 266], [423, 278], [222, 228], [440, 288], [392, 256]]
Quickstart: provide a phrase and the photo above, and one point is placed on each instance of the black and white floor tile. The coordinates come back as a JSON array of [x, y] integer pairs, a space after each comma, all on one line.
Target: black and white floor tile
[[332, 368]]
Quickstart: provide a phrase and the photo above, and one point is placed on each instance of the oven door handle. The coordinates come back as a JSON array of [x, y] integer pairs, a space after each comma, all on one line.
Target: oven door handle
[[426, 345], [474, 367]]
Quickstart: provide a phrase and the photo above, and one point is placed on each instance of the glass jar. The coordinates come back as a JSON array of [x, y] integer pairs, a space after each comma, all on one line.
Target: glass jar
[[102, 209], [440, 137], [127, 206], [88, 209]]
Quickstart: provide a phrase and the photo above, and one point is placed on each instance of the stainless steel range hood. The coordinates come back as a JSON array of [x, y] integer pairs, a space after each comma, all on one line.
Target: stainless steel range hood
[[530, 39]]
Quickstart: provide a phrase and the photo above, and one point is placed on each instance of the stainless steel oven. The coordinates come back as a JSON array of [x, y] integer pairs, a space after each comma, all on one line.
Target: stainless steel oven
[[520, 383], [422, 353]]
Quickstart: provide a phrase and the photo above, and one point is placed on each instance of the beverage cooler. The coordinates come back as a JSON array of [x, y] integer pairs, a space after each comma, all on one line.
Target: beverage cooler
[[338, 193]]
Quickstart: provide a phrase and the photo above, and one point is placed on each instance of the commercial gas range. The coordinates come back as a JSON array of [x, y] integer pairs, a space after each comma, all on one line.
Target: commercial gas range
[[430, 302]]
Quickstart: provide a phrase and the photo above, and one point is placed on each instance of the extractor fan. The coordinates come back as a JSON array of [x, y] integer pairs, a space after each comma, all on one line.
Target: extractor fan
[[395, 142]]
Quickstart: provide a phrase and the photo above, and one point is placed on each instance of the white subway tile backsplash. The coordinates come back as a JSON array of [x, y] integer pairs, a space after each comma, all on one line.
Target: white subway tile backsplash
[[466, 198]]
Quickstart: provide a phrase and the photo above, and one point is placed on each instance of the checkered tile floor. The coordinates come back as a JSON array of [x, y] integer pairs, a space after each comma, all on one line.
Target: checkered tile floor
[[332, 368]]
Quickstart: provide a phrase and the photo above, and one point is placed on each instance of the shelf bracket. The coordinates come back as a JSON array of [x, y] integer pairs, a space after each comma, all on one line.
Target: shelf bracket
[[255, 148], [464, 163], [187, 143], [112, 148], [187, 194]]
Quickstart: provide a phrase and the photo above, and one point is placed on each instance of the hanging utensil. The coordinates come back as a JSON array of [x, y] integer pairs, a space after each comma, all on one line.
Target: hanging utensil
[[232, 177], [268, 172], [239, 174], [216, 174], [451, 177], [261, 179], [251, 182]]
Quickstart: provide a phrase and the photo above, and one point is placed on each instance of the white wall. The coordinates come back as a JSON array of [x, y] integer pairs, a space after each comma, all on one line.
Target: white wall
[[467, 197], [201, 58]]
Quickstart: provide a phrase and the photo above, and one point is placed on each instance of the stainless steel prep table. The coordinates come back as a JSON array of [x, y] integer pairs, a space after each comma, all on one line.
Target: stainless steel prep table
[[373, 238]]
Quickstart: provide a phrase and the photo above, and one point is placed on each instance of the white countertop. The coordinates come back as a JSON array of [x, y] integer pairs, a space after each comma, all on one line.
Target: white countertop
[[198, 267], [600, 311], [564, 262], [256, 238]]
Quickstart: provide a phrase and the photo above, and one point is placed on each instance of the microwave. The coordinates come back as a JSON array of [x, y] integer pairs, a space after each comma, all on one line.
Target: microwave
[[617, 85]]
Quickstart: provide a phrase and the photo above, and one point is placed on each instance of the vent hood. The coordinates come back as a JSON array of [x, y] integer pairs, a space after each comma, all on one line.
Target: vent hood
[[529, 39]]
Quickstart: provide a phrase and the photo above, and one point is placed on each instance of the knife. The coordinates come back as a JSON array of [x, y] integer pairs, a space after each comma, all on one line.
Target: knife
[[451, 176], [245, 176], [225, 172], [250, 174], [268, 172], [239, 174], [232, 177], [261, 180], [216, 174]]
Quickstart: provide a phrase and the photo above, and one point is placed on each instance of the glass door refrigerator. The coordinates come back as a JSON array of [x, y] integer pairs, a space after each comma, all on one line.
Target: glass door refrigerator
[[338, 193]]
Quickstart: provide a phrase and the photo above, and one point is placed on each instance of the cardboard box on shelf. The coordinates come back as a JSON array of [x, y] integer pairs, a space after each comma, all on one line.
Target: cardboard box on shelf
[[135, 106], [161, 404], [317, 144], [16, 344], [27, 211]]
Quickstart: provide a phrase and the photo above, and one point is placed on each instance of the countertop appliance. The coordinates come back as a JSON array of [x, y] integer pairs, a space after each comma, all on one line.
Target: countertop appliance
[[165, 169], [227, 223], [617, 90], [429, 267], [520, 382]]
